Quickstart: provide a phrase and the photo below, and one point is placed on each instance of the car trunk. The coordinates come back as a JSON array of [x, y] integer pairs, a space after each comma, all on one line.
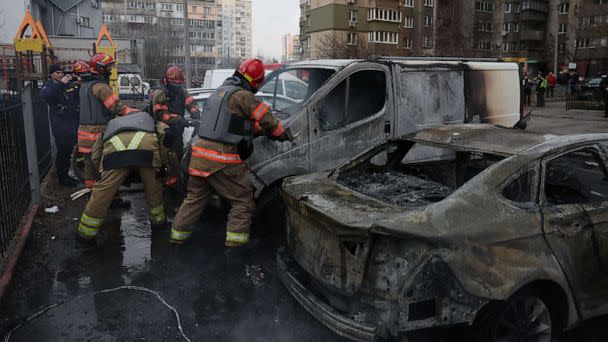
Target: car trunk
[[328, 231]]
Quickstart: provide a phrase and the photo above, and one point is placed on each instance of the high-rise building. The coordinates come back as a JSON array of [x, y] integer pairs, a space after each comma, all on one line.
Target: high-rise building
[[518, 30], [290, 47], [235, 32], [160, 23]]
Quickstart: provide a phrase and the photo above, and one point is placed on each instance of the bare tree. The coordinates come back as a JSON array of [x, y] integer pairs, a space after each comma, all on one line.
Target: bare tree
[[158, 49], [455, 30], [335, 45]]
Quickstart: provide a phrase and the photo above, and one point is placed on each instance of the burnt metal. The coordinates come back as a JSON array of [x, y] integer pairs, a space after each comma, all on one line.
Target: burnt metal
[[369, 248]]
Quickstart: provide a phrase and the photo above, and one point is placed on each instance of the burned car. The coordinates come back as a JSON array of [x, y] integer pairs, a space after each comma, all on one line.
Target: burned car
[[478, 225]]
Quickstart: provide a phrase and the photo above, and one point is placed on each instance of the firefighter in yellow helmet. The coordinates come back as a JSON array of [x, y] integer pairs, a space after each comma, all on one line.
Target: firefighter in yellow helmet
[[129, 145], [231, 115]]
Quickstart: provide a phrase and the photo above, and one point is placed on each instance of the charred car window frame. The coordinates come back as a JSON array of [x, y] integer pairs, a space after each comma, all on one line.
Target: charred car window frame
[[544, 200], [346, 83], [535, 184]]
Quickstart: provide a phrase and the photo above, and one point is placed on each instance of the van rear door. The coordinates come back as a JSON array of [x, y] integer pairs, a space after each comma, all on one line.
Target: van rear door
[[426, 94]]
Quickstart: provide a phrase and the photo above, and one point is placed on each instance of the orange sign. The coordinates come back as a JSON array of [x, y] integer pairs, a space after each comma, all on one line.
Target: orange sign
[[32, 43], [108, 50]]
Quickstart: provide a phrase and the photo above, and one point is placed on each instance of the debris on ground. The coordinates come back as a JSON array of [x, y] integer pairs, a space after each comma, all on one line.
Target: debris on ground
[[254, 275], [52, 210]]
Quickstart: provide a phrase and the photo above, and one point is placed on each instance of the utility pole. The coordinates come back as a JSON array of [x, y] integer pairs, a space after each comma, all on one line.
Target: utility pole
[[556, 41], [187, 66]]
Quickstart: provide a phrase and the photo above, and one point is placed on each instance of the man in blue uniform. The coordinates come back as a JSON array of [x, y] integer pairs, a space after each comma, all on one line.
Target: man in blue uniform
[[61, 94]]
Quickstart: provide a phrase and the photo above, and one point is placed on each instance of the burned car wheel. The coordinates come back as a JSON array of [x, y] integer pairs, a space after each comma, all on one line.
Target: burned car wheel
[[524, 317]]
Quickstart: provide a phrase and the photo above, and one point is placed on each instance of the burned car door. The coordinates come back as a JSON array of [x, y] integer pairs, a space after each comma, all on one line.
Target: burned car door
[[575, 207], [350, 116], [287, 92]]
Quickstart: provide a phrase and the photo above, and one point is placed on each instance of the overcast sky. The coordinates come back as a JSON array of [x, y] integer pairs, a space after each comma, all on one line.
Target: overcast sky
[[271, 20]]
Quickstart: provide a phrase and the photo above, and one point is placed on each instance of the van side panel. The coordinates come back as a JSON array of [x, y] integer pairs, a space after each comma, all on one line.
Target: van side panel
[[427, 96], [492, 93]]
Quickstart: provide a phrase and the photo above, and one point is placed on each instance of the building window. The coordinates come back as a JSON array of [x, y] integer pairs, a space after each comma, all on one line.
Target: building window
[[383, 15], [307, 21], [351, 38], [408, 3], [507, 7], [179, 8], [85, 22], [583, 43], [352, 16], [484, 45], [166, 7], [407, 43], [428, 21], [409, 22], [564, 8], [383, 37], [511, 27], [563, 28], [484, 26], [428, 3], [428, 41], [562, 47], [484, 6]]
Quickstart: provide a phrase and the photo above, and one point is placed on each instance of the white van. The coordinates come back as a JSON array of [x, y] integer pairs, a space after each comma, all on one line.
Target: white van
[[132, 87]]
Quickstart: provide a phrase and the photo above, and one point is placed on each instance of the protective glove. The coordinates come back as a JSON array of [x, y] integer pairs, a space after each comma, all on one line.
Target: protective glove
[[170, 135], [286, 135], [179, 121]]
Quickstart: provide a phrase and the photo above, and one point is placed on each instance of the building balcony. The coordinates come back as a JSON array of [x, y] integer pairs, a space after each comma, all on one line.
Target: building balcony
[[532, 35], [532, 16]]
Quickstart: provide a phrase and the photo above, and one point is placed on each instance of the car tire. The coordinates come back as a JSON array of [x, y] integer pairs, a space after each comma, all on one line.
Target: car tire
[[270, 212], [523, 317]]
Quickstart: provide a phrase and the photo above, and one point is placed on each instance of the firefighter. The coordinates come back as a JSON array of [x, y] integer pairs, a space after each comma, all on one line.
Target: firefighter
[[169, 103], [98, 105], [129, 144], [231, 114]]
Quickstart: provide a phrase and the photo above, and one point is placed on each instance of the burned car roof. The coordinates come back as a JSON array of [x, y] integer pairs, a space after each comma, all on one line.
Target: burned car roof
[[497, 140], [334, 63]]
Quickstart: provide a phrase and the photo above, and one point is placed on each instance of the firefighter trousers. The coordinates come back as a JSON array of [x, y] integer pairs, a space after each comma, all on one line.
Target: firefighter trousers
[[104, 191], [234, 185], [170, 156]]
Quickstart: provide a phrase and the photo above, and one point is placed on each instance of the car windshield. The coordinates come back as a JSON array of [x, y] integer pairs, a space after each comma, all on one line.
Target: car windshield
[[286, 89], [412, 174]]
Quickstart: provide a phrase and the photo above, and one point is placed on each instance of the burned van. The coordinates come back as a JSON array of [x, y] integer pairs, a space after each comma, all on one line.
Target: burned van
[[341, 108]]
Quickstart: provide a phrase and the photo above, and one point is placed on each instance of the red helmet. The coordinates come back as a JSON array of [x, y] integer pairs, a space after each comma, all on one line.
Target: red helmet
[[101, 63], [174, 75], [80, 67], [252, 70]]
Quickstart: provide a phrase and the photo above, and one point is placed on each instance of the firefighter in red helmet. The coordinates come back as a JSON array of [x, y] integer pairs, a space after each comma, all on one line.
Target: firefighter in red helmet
[[169, 103], [98, 105], [232, 115]]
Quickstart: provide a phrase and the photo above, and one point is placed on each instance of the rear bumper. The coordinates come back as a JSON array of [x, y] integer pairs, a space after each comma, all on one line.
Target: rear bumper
[[339, 324]]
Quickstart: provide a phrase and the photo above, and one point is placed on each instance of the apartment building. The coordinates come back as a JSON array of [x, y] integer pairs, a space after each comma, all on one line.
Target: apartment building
[[160, 23], [234, 31]]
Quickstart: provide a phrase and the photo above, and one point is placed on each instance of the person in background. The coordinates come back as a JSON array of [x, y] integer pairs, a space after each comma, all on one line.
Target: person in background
[[527, 89], [541, 88], [551, 83], [61, 94], [573, 82]]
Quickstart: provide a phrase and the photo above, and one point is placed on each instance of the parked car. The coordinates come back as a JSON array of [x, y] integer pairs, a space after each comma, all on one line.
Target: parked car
[[344, 107], [131, 86], [591, 83], [457, 225]]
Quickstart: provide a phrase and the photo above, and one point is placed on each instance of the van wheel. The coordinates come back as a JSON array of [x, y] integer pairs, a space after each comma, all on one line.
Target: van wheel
[[523, 317], [270, 216]]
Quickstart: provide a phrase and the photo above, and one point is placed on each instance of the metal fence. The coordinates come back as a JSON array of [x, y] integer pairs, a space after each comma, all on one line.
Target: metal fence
[[15, 191], [585, 99], [25, 156], [43, 131]]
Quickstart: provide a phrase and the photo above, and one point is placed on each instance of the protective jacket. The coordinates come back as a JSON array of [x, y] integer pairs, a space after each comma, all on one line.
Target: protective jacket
[[230, 115], [170, 103], [129, 142], [98, 104]]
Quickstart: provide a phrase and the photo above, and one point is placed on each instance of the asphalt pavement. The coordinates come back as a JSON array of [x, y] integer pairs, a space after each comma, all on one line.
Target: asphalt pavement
[[135, 286]]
